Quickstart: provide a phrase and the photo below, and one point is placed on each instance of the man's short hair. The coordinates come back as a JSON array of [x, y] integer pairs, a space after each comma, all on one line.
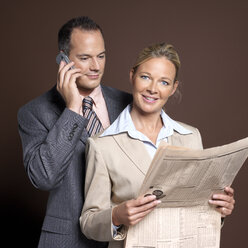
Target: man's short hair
[[81, 22]]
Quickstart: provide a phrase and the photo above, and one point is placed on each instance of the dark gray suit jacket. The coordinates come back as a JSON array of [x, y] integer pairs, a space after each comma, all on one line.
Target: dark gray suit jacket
[[53, 140]]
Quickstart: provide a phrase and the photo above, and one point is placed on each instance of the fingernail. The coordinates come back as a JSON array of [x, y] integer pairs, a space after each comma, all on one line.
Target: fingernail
[[147, 195]]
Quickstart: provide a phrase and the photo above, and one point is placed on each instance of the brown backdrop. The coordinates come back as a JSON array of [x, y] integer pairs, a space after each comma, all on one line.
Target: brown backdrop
[[211, 37]]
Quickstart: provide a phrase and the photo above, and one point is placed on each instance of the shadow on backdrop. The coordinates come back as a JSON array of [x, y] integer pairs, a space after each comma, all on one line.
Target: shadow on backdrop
[[211, 38]]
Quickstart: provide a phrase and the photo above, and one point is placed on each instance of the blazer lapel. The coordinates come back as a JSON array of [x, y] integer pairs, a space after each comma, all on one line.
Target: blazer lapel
[[177, 139], [174, 140], [135, 151]]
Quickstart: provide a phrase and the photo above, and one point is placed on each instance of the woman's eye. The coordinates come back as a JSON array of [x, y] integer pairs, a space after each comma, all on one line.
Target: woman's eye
[[144, 77], [164, 83]]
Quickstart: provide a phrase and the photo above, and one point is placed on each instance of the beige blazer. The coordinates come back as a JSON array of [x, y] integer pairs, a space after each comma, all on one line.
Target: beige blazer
[[116, 167]]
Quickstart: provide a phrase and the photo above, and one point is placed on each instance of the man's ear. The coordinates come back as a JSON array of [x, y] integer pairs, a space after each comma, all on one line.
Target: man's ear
[[175, 85]]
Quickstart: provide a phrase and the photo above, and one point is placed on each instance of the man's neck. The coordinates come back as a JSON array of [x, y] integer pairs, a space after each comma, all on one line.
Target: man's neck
[[86, 92]]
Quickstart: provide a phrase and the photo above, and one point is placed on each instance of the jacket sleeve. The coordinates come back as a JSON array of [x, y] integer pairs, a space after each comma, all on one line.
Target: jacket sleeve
[[96, 217], [48, 144]]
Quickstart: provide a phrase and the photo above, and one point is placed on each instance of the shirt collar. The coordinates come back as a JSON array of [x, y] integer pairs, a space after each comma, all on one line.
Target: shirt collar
[[95, 95], [124, 123], [170, 123]]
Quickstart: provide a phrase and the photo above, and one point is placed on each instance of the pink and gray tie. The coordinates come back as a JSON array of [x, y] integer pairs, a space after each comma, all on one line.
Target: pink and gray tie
[[94, 125]]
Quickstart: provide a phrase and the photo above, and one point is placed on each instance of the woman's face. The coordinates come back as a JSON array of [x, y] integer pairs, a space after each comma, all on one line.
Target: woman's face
[[153, 84]]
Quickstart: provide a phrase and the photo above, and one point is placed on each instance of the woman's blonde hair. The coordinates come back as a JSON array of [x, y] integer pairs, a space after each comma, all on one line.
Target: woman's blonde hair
[[157, 51]]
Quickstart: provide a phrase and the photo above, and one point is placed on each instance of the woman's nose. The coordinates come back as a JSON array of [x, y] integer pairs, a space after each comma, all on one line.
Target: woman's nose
[[152, 87]]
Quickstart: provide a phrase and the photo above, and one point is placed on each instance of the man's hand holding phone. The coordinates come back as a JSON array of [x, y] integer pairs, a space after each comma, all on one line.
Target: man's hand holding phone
[[67, 87]]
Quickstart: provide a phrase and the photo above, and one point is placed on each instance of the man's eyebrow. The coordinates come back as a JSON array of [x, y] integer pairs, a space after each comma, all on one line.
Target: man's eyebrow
[[104, 52], [83, 54], [88, 55]]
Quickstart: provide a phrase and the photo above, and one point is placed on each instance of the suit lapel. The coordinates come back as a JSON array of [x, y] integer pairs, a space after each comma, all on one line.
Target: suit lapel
[[116, 101], [135, 151], [112, 105]]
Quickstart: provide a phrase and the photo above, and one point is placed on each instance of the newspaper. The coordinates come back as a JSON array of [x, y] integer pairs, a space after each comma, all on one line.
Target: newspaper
[[184, 180]]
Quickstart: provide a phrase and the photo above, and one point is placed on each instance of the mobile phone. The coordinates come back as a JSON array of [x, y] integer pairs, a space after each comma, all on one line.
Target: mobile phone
[[62, 56]]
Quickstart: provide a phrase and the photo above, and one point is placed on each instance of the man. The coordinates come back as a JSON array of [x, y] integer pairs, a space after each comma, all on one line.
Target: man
[[55, 126]]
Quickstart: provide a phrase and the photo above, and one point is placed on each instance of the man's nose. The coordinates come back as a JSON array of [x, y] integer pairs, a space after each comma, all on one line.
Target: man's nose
[[95, 66]]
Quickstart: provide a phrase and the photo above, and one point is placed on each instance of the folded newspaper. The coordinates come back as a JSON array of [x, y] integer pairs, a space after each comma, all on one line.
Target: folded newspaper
[[184, 180]]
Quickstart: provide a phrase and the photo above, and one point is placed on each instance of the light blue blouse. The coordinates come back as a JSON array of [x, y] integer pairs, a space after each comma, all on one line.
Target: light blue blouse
[[124, 123]]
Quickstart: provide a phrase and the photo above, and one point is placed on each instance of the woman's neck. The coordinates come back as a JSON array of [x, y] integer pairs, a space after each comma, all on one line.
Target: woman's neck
[[148, 124]]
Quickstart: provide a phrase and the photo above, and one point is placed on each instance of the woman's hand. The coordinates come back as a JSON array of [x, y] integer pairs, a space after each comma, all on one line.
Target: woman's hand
[[131, 212], [224, 202]]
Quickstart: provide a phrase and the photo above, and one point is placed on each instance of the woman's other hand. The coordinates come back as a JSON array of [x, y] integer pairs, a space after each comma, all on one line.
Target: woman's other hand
[[224, 202]]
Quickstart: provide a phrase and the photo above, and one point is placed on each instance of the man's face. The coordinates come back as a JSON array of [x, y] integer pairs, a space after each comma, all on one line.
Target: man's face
[[88, 54]]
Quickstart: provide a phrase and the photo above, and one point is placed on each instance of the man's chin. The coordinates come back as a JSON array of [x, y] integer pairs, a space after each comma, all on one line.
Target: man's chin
[[87, 89]]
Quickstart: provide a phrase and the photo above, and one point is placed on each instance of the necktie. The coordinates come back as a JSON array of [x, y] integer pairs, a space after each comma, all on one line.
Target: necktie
[[94, 125]]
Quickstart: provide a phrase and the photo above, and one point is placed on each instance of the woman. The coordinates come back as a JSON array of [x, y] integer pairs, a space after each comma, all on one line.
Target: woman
[[119, 158]]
